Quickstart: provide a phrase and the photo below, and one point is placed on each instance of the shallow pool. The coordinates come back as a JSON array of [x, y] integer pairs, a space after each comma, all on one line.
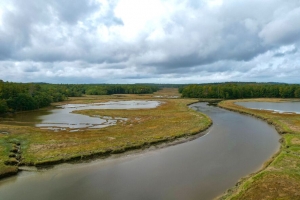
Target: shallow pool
[[63, 118], [289, 107]]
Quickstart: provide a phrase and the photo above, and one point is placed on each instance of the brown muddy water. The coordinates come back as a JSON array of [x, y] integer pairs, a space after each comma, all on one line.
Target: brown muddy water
[[235, 146]]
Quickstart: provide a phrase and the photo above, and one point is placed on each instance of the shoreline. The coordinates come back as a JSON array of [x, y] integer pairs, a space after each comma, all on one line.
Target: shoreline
[[178, 124], [143, 149], [238, 188], [130, 150], [137, 151]]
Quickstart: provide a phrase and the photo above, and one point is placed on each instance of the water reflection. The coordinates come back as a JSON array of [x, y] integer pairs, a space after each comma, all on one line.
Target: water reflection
[[62, 118], [204, 168]]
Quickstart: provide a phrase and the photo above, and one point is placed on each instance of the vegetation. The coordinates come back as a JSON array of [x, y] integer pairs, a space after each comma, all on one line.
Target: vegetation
[[119, 89], [16, 97], [280, 179], [27, 145], [241, 90], [171, 120]]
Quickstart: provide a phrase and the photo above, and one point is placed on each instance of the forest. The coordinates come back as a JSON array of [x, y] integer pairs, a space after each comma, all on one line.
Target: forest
[[241, 90], [16, 97]]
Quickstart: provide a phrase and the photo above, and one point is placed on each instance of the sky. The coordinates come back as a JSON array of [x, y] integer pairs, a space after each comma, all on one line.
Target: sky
[[150, 41]]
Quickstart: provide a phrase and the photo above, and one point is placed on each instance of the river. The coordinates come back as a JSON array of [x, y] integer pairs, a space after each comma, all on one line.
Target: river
[[235, 146]]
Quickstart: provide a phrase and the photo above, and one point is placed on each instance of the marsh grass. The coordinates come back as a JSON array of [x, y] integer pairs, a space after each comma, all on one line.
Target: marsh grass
[[144, 127], [280, 179], [6, 146]]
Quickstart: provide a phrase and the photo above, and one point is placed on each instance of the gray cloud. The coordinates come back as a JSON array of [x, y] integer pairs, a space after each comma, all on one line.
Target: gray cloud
[[283, 29], [90, 41], [72, 11]]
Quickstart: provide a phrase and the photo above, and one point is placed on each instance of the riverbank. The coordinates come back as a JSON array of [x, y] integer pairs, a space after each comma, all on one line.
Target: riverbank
[[143, 128], [279, 178]]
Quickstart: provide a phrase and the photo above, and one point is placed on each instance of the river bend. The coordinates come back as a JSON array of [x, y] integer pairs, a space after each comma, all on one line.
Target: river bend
[[235, 146]]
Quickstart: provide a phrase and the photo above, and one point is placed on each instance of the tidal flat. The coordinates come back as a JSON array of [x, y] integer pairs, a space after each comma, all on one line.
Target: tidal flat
[[27, 145], [227, 152]]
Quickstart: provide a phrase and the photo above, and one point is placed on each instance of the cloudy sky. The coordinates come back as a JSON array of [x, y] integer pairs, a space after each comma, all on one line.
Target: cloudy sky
[[149, 41]]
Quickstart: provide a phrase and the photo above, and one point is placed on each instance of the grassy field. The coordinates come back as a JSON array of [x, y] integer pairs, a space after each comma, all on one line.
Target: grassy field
[[280, 178], [25, 145]]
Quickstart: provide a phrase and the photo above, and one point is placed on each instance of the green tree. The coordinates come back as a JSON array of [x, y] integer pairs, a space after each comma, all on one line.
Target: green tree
[[3, 106], [297, 93]]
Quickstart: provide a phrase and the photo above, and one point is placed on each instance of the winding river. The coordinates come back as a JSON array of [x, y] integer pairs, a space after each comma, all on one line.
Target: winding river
[[235, 146]]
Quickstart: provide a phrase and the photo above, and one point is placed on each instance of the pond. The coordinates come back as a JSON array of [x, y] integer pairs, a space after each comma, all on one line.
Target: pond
[[62, 117], [235, 146], [282, 107]]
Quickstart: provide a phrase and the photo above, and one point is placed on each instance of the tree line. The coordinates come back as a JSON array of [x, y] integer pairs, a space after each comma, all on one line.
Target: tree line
[[119, 89], [29, 96], [241, 90]]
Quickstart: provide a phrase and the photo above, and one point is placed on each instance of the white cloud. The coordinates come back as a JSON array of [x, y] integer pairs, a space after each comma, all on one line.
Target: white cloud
[[1, 18], [285, 28], [214, 3], [138, 16], [149, 41]]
